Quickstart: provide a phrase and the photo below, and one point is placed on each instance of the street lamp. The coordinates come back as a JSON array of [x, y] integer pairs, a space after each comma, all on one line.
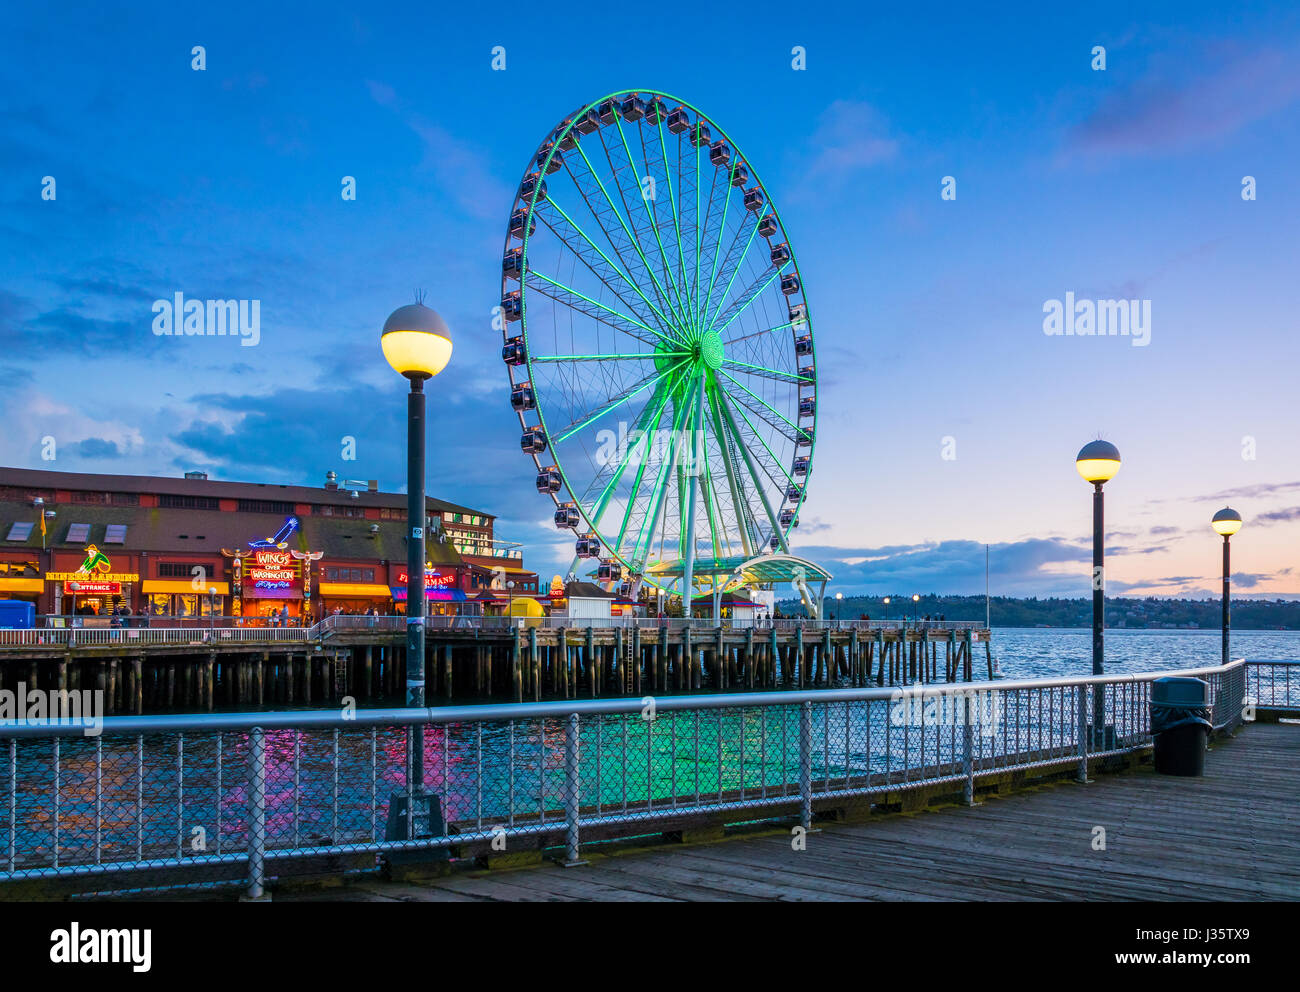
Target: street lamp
[[1098, 462], [510, 600], [839, 607], [886, 609], [212, 607], [417, 344], [1226, 522]]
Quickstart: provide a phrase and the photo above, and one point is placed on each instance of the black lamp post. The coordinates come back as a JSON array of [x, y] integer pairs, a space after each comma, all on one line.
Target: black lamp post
[[839, 608], [1226, 522], [417, 344], [1098, 462]]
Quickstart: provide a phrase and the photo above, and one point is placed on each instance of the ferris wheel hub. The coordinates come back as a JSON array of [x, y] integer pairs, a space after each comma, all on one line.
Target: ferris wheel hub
[[709, 350]]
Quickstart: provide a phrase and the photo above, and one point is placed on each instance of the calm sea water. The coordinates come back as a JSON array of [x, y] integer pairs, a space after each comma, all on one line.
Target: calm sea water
[[1048, 653]]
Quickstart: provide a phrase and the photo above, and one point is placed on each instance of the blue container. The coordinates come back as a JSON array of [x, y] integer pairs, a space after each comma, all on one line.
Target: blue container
[[17, 614]]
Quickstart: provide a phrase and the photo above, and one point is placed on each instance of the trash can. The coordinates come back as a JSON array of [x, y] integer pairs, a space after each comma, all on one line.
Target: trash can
[[1180, 725]]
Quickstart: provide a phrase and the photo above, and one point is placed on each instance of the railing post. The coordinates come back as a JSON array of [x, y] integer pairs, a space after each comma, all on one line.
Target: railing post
[[571, 791], [1082, 731], [256, 815], [805, 766], [968, 752]]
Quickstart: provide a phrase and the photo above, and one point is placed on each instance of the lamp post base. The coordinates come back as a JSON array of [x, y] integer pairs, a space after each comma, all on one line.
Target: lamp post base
[[1101, 738], [425, 811]]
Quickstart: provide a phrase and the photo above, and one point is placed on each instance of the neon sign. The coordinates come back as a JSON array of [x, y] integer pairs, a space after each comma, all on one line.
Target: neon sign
[[281, 538], [432, 580], [95, 559]]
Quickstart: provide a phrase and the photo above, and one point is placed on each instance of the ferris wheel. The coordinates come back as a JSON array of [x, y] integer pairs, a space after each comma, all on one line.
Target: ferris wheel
[[658, 344]]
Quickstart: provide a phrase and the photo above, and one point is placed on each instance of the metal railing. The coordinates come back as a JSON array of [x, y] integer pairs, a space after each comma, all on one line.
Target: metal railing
[[211, 799], [1274, 684]]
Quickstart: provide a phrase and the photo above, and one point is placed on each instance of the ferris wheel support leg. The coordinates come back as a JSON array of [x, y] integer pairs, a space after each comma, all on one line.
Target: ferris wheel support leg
[[692, 474]]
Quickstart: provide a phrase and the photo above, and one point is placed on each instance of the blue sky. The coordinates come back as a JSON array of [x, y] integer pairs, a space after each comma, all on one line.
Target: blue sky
[[1122, 183]]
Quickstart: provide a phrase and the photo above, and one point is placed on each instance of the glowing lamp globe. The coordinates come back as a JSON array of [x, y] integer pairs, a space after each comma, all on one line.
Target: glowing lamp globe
[[1097, 461], [416, 342], [1226, 522]]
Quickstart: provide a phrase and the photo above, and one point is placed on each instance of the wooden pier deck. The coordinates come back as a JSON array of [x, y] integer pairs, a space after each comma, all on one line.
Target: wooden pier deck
[[1229, 836]]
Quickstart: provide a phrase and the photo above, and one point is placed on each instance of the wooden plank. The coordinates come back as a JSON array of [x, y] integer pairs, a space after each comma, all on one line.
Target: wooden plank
[[1227, 836]]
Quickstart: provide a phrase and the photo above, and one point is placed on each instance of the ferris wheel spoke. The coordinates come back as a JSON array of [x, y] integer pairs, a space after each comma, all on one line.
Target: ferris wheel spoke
[[747, 298], [647, 356], [776, 463], [628, 241], [645, 535], [612, 404], [641, 449], [651, 221], [736, 254], [717, 249], [733, 479], [711, 247], [571, 298], [601, 272], [754, 334], [672, 200], [772, 410], [635, 230], [717, 530], [748, 459], [644, 421], [766, 373], [667, 263]]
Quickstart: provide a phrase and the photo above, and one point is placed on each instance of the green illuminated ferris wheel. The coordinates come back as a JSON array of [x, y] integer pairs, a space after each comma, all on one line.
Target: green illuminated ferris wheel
[[658, 343]]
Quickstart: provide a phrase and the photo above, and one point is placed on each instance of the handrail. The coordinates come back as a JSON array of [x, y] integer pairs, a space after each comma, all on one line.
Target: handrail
[[484, 712]]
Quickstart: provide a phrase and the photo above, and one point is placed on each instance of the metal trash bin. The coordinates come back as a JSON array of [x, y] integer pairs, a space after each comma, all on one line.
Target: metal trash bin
[[1180, 725]]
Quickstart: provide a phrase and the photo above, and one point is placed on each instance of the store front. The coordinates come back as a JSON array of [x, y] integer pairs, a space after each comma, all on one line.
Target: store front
[[180, 598], [356, 598], [271, 584], [442, 593], [93, 593], [21, 582]]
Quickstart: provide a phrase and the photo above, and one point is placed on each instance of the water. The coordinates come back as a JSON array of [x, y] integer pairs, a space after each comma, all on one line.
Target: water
[[1036, 653]]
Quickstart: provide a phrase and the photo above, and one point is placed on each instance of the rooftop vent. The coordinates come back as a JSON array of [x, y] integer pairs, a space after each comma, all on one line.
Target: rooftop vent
[[196, 475], [331, 480]]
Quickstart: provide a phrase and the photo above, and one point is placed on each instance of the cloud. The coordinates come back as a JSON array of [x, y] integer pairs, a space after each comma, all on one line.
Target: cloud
[[459, 167], [851, 137], [97, 447], [1250, 492], [1159, 114], [1279, 516], [1029, 567]]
